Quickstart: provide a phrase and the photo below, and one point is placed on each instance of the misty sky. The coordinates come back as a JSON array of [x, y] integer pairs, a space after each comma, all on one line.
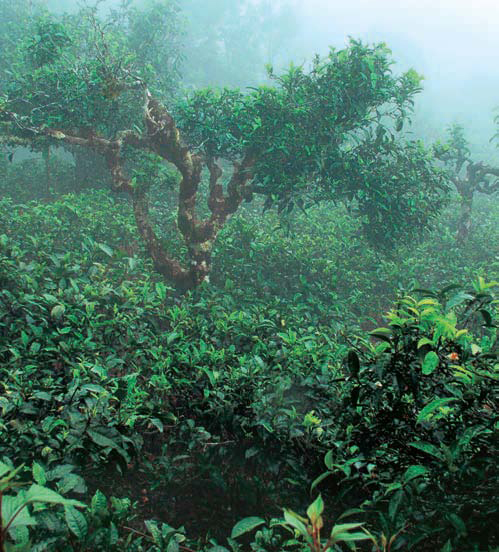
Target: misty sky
[[461, 34], [453, 43]]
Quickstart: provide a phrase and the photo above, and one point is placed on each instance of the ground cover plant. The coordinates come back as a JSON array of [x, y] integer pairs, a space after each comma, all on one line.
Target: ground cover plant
[[108, 371], [332, 385]]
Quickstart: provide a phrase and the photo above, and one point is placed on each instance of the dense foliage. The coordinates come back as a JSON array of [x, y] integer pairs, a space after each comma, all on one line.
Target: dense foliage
[[332, 132], [223, 404], [333, 386]]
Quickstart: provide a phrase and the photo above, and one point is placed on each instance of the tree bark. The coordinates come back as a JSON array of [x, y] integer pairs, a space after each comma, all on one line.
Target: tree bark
[[164, 138], [465, 219], [477, 179]]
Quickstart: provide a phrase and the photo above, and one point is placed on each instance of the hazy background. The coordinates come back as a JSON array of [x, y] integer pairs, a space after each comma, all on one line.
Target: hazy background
[[453, 43]]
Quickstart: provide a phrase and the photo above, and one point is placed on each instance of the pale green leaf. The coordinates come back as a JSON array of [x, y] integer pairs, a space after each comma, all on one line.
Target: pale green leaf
[[107, 250], [245, 525], [295, 521], [315, 509], [37, 493], [430, 363], [10, 506], [39, 474], [57, 312], [432, 407]]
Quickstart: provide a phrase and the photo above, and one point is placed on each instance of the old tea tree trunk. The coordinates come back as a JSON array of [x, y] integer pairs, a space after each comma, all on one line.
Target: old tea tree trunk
[[164, 138], [476, 180], [469, 177]]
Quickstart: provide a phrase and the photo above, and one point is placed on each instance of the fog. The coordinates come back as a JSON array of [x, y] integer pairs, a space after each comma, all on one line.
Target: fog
[[453, 43]]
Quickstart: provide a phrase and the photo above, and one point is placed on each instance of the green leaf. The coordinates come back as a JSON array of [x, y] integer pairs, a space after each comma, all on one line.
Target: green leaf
[[99, 503], [425, 341], [340, 530], [172, 337], [296, 522], [173, 546], [352, 537], [430, 363], [102, 440], [245, 525], [57, 312], [10, 506], [20, 535], [458, 299], [394, 505], [431, 407], [414, 471], [11, 474], [314, 511], [427, 303], [475, 349], [107, 250], [50, 298], [39, 474], [37, 493], [43, 396], [384, 334], [76, 522], [34, 348], [4, 468], [329, 460], [153, 528], [113, 534], [158, 424], [428, 448], [24, 338], [319, 480], [458, 523], [160, 290]]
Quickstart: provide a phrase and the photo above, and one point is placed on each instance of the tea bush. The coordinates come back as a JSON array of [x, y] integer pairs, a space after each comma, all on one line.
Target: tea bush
[[203, 409]]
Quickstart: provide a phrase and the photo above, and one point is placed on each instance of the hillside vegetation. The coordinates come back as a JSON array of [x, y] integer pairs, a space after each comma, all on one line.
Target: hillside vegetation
[[237, 320]]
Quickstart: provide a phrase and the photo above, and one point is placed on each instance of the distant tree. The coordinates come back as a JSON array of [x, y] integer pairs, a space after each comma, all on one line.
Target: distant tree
[[328, 133], [14, 18], [229, 42], [469, 177]]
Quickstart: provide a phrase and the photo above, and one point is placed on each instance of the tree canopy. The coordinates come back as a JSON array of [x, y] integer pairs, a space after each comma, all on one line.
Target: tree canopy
[[332, 131], [468, 176]]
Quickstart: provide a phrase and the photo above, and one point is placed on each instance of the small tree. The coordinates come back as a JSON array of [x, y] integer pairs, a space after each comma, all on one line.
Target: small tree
[[328, 133], [469, 177], [64, 68]]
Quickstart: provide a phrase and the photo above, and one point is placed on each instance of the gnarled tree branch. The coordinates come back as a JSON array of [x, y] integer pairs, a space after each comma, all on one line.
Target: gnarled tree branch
[[162, 137]]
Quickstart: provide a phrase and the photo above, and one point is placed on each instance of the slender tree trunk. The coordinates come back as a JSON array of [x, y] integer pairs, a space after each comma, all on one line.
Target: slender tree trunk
[[464, 222], [48, 173]]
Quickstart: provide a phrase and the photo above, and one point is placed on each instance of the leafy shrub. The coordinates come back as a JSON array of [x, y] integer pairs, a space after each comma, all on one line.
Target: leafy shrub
[[232, 395]]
